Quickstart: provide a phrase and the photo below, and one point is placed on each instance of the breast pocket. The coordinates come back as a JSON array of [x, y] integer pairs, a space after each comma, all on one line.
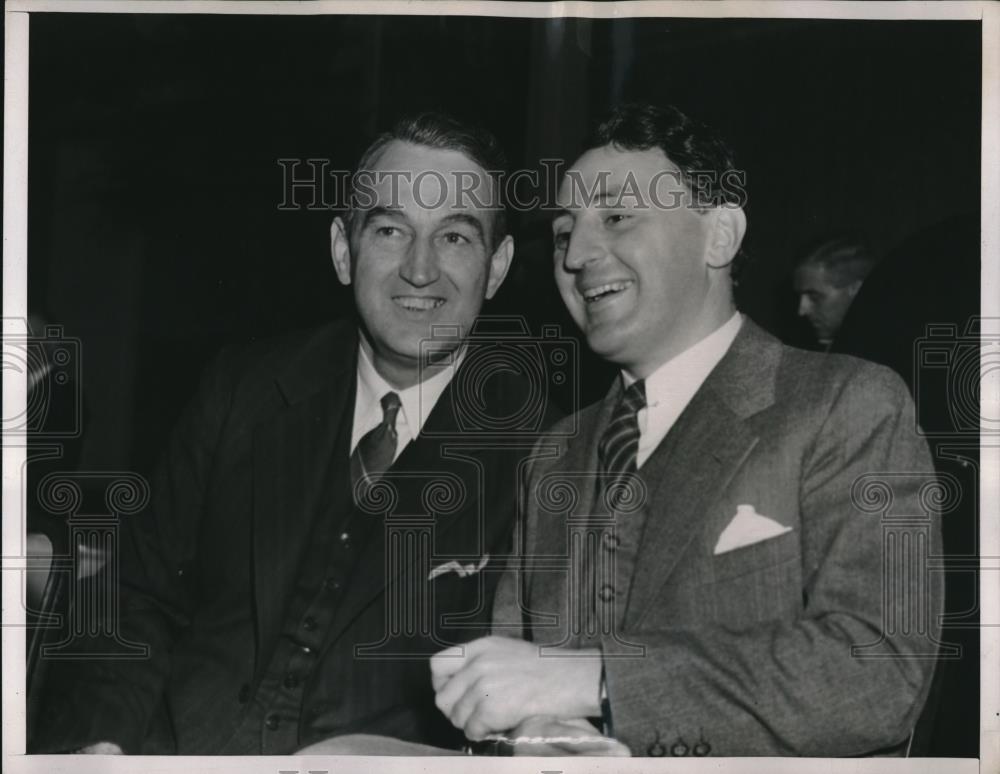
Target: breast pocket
[[756, 583]]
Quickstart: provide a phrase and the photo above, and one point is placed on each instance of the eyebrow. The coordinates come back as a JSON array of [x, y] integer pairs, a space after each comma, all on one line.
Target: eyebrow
[[376, 212], [467, 219], [614, 192]]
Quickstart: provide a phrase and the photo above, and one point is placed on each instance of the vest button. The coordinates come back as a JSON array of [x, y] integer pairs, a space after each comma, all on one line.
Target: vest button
[[272, 722], [309, 623], [331, 584]]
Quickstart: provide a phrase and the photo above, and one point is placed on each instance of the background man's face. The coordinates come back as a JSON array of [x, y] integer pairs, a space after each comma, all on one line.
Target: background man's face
[[631, 271], [821, 302], [420, 255]]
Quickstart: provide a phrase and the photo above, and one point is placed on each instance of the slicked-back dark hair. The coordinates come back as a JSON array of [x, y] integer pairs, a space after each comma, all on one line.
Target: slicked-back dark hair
[[846, 258], [705, 161], [439, 130]]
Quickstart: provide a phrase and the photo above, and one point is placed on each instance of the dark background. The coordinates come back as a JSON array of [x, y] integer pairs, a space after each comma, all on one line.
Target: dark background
[[154, 229], [155, 234]]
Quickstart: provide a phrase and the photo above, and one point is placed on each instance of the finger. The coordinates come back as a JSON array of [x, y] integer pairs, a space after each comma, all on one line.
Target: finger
[[453, 686], [479, 724], [453, 689], [475, 730], [438, 681], [448, 661], [467, 705]]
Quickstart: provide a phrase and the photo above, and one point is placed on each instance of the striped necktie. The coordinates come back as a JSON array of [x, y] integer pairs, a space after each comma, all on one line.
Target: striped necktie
[[376, 450], [619, 445]]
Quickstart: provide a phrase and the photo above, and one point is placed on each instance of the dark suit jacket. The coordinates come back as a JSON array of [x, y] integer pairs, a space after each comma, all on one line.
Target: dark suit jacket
[[208, 570], [818, 641]]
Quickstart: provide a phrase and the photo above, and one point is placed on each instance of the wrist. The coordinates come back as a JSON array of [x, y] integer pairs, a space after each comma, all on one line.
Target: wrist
[[590, 682]]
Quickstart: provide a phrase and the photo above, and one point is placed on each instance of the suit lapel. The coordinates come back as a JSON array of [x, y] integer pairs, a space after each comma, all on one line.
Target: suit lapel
[[691, 466], [295, 454], [698, 457], [422, 461]]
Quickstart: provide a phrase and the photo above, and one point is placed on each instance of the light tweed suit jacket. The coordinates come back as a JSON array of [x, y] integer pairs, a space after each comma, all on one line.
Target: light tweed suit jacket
[[817, 641]]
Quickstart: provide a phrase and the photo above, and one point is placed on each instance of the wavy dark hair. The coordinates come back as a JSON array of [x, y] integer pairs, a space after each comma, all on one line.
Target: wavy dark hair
[[707, 164]]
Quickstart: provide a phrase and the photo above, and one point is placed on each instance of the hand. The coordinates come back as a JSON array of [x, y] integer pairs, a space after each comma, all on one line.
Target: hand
[[494, 683], [101, 748], [539, 735]]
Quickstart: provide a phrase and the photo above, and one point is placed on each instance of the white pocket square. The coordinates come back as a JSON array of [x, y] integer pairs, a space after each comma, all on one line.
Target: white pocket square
[[746, 528], [463, 570]]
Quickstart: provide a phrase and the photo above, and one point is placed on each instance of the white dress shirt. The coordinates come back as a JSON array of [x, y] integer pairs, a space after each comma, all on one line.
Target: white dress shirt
[[417, 401], [672, 386]]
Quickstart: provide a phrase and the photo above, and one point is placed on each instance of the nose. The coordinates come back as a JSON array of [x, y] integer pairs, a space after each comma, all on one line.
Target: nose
[[420, 266], [585, 245], [805, 306]]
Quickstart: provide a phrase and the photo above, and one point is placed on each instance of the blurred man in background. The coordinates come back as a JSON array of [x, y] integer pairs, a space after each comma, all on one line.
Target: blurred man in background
[[826, 280]]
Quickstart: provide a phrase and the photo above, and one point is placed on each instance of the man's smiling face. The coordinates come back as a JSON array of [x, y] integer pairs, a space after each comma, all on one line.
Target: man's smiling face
[[631, 259], [420, 256]]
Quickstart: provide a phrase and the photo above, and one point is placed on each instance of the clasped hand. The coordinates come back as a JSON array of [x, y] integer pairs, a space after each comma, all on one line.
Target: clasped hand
[[494, 683]]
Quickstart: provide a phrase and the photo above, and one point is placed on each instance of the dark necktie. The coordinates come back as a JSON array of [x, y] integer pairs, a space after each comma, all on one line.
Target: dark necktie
[[377, 448], [619, 445]]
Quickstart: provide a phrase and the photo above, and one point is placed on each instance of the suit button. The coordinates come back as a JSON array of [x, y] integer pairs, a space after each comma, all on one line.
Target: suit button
[[244, 694], [679, 749], [305, 650], [272, 722], [702, 749], [309, 624], [611, 542], [344, 537], [291, 680], [607, 592]]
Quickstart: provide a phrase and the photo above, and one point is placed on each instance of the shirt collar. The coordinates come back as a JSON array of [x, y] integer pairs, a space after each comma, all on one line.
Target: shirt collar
[[681, 376], [416, 401]]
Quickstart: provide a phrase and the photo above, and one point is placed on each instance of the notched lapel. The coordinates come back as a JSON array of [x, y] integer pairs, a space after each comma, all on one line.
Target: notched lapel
[[423, 460], [699, 457], [695, 463]]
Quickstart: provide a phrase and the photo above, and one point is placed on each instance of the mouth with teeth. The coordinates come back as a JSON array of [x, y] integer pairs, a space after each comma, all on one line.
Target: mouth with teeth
[[607, 290], [418, 303]]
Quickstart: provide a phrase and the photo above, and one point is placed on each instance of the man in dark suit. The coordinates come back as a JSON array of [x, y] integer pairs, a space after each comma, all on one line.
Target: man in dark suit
[[730, 557], [330, 510]]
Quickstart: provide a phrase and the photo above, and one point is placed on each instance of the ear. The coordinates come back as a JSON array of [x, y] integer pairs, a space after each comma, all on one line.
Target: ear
[[853, 288], [340, 249], [499, 265], [728, 227]]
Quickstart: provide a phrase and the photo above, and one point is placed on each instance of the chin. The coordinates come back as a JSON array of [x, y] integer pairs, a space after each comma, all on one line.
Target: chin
[[610, 348]]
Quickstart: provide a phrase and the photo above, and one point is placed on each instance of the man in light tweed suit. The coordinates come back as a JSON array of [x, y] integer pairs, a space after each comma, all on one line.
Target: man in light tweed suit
[[729, 558]]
